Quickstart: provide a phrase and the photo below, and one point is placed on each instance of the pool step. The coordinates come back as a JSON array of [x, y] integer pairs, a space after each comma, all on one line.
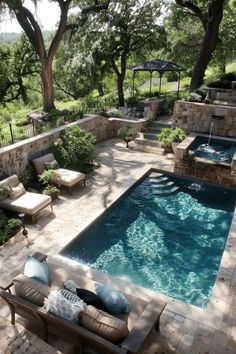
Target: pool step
[[158, 179], [165, 191], [163, 186], [155, 174]]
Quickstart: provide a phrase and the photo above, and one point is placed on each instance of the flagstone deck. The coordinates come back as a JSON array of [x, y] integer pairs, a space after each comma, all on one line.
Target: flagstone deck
[[184, 328]]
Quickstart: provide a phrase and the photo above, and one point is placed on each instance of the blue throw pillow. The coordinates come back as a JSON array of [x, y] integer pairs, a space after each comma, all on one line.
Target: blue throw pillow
[[113, 300], [36, 270]]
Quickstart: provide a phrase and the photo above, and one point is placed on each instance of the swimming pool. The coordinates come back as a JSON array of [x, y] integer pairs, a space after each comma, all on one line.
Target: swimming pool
[[167, 234]]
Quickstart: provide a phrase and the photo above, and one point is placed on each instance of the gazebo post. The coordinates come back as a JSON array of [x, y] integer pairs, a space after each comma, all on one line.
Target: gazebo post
[[134, 72], [160, 73], [179, 73], [150, 92]]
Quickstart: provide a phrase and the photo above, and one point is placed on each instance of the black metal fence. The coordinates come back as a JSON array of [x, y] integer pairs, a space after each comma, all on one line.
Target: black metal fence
[[10, 133]]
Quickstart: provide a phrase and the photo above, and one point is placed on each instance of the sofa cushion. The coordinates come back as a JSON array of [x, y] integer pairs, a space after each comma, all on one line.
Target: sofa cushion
[[40, 161], [11, 181], [28, 203], [90, 298], [70, 285], [114, 301], [69, 178], [4, 192], [104, 324], [31, 289], [36, 270], [16, 191], [65, 304], [52, 165]]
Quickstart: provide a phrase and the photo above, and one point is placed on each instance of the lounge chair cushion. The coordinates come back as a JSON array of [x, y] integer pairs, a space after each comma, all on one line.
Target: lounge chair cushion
[[31, 289], [70, 285], [65, 304], [16, 191], [39, 163], [36, 270], [28, 203], [11, 181], [104, 324], [69, 178], [52, 165], [113, 300]]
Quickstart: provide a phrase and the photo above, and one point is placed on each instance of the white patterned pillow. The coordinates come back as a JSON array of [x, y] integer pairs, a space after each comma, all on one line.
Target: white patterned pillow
[[65, 304]]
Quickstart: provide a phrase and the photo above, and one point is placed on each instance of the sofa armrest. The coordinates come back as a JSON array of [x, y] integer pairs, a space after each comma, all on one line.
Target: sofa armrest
[[143, 327], [41, 257]]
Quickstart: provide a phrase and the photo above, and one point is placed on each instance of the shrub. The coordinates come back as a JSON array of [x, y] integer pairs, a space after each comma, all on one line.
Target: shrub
[[8, 227], [75, 148], [127, 134], [50, 177], [169, 135]]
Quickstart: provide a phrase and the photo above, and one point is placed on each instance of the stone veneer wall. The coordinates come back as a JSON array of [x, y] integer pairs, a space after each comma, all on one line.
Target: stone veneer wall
[[15, 158], [196, 117]]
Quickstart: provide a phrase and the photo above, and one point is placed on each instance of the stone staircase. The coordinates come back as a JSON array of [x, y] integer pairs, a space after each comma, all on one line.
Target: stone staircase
[[161, 185], [146, 141]]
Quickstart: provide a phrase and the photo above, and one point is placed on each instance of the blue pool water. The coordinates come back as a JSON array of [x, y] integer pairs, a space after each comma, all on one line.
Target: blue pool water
[[168, 234]]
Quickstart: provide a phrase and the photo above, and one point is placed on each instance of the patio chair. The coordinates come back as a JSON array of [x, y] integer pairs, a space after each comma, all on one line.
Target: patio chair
[[28, 203], [69, 178]]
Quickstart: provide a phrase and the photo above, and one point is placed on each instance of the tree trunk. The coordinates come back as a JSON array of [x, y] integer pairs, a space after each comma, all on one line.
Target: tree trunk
[[47, 81], [23, 91], [120, 82], [210, 42]]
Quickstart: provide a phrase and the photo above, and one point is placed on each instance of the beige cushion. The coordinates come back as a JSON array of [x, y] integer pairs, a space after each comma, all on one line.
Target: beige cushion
[[16, 191], [29, 203], [104, 324], [51, 165], [31, 289], [69, 178], [11, 181], [39, 162]]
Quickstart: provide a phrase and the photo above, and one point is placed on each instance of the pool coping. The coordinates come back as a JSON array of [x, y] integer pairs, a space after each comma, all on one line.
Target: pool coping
[[218, 307]]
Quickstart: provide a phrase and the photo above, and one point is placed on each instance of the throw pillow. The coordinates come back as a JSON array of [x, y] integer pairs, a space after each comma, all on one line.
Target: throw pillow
[[52, 165], [36, 270], [65, 304], [16, 191], [114, 301], [103, 324], [31, 290], [90, 298], [4, 192], [70, 285]]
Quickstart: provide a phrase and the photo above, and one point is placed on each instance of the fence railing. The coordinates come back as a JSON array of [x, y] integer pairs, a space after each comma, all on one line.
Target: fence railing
[[10, 133]]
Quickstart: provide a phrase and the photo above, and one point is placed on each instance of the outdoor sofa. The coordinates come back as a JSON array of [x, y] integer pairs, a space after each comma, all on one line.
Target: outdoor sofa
[[27, 203], [143, 318], [68, 178]]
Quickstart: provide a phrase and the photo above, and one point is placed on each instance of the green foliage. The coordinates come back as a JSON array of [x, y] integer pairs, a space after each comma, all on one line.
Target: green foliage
[[75, 148], [8, 227], [127, 134], [4, 192], [194, 97], [50, 177], [50, 190], [169, 135]]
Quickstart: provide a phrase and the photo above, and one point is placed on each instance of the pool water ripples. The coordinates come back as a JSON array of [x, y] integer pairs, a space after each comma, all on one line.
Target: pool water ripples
[[171, 242]]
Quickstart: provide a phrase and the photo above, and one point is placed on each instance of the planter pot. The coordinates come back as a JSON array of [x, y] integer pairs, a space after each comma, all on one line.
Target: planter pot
[[54, 195]]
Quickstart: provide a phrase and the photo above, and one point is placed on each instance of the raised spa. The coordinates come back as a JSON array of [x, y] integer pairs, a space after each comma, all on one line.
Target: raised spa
[[167, 234]]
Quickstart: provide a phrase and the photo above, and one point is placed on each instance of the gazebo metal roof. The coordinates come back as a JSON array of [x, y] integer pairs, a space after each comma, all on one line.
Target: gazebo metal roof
[[157, 65]]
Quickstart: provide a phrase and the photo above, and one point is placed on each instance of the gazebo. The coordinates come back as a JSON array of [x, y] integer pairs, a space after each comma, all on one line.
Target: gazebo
[[157, 65]]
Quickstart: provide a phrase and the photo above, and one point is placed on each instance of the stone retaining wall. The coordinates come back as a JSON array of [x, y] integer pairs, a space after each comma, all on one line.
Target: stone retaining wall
[[197, 117]]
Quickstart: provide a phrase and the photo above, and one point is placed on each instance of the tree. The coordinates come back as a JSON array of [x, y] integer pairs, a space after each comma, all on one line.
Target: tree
[[126, 28], [210, 15], [19, 62], [33, 31]]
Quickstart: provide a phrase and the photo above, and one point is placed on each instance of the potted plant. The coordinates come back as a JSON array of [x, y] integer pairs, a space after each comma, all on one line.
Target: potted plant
[[171, 137], [53, 191], [52, 181], [127, 134]]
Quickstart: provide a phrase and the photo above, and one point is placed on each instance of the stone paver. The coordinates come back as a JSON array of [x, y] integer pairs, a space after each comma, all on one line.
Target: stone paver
[[184, 328]]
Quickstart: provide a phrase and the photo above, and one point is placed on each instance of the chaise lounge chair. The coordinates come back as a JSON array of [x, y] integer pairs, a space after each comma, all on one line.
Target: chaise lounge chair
[[27, 202], [68, 178]]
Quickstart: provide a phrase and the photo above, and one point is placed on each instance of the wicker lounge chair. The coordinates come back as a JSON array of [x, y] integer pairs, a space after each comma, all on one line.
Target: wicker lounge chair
[[69, 178], [143, 318], [28, 203]]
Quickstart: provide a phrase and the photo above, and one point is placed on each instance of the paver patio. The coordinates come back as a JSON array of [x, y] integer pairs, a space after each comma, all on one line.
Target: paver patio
[[184, 328]]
